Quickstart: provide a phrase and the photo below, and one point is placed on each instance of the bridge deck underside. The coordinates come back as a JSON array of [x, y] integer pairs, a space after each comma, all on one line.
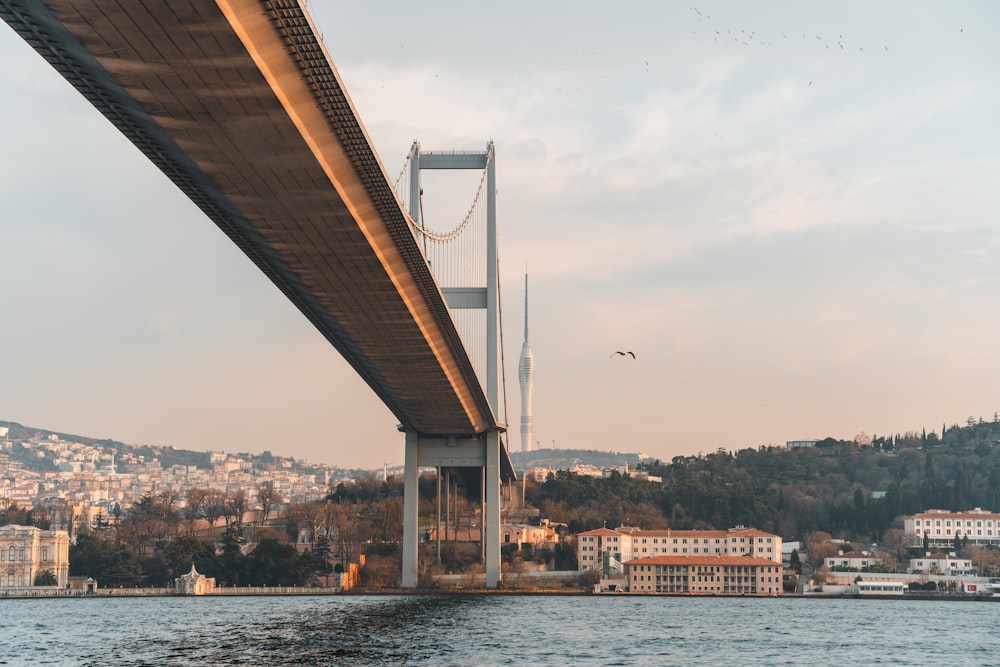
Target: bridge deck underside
[[179, 81]]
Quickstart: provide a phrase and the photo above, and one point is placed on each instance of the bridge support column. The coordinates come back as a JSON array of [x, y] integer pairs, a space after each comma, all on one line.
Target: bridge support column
[[411, 503], [482, 452], [491, 520]]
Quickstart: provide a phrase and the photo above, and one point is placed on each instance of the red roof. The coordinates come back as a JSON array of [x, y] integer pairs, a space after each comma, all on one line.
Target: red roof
[[703, 560], [968, 515], [602, 531]]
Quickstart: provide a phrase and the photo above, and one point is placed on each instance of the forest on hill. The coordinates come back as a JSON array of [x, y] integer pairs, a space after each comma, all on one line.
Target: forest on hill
[[855, 490]]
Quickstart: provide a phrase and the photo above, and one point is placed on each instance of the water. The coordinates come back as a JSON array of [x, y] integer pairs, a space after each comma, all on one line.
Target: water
[[496, 630]]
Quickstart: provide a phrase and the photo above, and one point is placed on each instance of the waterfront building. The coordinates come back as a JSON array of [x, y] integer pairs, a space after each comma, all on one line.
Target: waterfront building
[[940, 528], [27, 552], [941, 563], [704, 575], [610, 549], [194, 583]]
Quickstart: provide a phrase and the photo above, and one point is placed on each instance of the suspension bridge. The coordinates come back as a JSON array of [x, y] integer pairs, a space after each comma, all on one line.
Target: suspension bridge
[[240, 105]]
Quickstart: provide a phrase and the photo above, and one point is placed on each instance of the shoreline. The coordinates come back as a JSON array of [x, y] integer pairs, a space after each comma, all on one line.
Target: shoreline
[[292, 591]]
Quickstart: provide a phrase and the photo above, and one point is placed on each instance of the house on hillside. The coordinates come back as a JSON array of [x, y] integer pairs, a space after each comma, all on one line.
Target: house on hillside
[[850, 560], [940, 528]]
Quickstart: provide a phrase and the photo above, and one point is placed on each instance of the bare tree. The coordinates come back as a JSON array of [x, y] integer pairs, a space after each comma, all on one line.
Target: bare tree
[[215, 502], [308, 517], [819, 548], [195, 508], [267, 498], [235, 507]]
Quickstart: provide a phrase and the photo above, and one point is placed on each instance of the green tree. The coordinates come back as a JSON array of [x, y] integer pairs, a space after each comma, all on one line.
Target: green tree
[[232, 566], [274, 564], [795, 562], [46, 578]]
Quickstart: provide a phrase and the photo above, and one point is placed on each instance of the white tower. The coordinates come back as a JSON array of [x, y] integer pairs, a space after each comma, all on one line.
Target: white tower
[[526, 375]]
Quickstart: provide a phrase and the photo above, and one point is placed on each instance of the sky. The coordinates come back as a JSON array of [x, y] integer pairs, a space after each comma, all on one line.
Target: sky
[[789, 212]]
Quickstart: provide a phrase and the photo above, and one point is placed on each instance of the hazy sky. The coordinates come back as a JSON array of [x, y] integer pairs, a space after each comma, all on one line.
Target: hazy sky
[[789, 211]]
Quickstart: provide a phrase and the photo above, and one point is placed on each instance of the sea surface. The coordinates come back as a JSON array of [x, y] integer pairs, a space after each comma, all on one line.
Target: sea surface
[[497, 630]]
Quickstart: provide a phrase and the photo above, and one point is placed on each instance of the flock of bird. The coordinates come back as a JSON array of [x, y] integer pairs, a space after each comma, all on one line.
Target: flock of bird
[[752, 38]]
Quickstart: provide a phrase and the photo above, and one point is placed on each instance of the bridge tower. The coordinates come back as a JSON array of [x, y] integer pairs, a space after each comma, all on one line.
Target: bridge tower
[[526, 376], [460, 450]]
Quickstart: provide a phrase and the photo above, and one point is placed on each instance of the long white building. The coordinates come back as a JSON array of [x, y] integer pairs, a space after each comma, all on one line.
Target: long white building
[[595, 548], [940, 527]]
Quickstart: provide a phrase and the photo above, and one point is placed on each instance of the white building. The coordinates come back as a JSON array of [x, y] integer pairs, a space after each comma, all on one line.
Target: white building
[[940, 527], [627, 543], [941, 563], [851, 560], [194, 583], [27, 551], [800, 444]]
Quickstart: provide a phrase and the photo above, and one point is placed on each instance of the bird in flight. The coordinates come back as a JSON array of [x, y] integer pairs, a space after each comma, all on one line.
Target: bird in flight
[[622, 354]]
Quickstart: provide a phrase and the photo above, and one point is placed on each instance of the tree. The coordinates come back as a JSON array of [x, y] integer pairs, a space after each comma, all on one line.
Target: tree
[[274, 564], [195, 507], [307, 517], [214, 505], [894, 542], [184, 551], [235, 507], [794, 562], [267, 498], [819, 547], [97, 556], [46, 578]]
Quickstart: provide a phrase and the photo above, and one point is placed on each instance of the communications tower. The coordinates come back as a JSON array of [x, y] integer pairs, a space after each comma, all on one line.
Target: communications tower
[[526, 376]]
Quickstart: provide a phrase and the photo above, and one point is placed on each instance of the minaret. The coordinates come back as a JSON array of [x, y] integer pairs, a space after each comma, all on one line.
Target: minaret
[[526, 375]]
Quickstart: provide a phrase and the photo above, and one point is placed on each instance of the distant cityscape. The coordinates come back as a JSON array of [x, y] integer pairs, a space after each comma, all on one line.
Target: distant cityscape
[[43, 469]]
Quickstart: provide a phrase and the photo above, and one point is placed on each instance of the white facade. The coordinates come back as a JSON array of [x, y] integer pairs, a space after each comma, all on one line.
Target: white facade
[[851, 560], [799, 444], [941, 563], [625, 544], [940, 527], [526, 377], [27, 551]]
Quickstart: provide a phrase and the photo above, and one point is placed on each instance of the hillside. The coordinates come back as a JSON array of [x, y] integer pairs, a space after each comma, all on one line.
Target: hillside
[[851, 490]]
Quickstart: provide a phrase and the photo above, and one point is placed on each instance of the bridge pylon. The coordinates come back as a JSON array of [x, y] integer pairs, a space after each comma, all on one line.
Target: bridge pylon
[[447, 451]]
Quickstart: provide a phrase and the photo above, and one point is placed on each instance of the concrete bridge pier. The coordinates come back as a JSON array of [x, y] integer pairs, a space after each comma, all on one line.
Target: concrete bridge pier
[[482, 451]]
